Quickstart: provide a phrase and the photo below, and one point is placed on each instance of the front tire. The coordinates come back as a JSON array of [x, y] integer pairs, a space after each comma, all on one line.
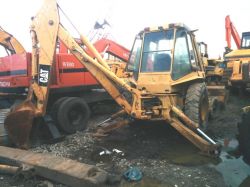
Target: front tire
[[197, 104]]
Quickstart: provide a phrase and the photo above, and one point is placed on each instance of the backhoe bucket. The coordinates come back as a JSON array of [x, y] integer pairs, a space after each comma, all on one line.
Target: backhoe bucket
[[18, 123]]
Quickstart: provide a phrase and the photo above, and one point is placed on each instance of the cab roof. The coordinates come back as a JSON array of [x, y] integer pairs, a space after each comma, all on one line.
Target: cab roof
[[165, 27]]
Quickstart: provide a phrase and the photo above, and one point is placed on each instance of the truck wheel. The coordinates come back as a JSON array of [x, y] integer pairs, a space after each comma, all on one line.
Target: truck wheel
[[197, 105], [244, 136], [55, 106], [73, 115]]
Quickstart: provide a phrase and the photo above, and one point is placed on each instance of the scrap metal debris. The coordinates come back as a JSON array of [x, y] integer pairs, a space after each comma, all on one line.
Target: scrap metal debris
[[59, 169]]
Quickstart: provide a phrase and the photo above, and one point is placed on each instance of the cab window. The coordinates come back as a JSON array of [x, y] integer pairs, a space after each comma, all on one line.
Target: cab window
[[156, 55], [182, 58], [134, 59], [192, 52], [245, 42]]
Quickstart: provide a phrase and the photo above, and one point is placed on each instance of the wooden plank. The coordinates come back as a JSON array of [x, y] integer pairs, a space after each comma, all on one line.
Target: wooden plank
[[59, 169]]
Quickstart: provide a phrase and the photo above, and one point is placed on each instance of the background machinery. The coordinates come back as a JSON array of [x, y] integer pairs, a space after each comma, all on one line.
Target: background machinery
[[214, 67], [12, 51], [239, 70], [167, 82], [216, 84], [237, 60]]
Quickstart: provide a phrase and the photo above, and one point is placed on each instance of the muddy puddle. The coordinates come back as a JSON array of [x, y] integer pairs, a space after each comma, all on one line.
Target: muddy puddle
[[233, 168], [164, 144], [186, 154], [231, 165]]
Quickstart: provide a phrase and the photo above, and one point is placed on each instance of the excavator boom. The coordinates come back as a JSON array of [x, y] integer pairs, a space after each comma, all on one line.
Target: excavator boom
[[231, 31], [111, 47]]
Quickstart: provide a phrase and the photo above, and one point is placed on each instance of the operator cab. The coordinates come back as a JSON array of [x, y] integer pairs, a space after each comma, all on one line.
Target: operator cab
[[245, 41], [163, 53]]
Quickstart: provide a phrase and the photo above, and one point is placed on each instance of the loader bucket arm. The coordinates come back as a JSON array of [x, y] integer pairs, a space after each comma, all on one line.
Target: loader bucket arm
[[45, 30]]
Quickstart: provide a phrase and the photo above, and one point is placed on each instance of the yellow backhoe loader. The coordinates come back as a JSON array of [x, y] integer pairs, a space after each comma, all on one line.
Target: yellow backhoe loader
[[214, 67], [215, 80], [167, 78]]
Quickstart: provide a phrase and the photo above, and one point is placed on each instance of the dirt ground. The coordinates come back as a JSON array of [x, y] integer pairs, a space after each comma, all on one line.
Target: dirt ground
[[164, 157]]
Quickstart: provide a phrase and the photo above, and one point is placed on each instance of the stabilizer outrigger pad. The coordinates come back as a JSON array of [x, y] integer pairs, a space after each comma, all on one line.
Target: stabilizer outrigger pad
[[18, 124]]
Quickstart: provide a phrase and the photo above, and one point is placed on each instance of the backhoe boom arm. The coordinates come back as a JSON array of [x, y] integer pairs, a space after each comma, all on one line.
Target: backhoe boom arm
[[102, 74], [45, 30], [44, 45]]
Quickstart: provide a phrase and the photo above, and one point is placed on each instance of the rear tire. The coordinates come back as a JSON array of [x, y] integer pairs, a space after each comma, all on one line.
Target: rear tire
[[73, 115], [244, 136], [197, 105]]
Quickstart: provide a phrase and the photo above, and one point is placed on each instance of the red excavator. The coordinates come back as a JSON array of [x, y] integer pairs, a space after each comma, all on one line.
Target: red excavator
[[231, 31], [15, 66], [69, 77]]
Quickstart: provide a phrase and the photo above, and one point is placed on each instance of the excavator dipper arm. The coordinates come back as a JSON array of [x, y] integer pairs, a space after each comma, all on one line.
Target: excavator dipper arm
[[10, 42], [45, 30], [18, 122]]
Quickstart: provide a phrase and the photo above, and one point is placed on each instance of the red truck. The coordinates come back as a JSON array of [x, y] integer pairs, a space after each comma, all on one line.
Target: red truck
[[69, 79]]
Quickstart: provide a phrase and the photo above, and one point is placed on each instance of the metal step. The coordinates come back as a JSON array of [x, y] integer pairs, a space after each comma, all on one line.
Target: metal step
[[3, 133]]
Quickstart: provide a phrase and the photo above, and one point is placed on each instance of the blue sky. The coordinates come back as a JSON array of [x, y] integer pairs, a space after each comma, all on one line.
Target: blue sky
[[129, 17]]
